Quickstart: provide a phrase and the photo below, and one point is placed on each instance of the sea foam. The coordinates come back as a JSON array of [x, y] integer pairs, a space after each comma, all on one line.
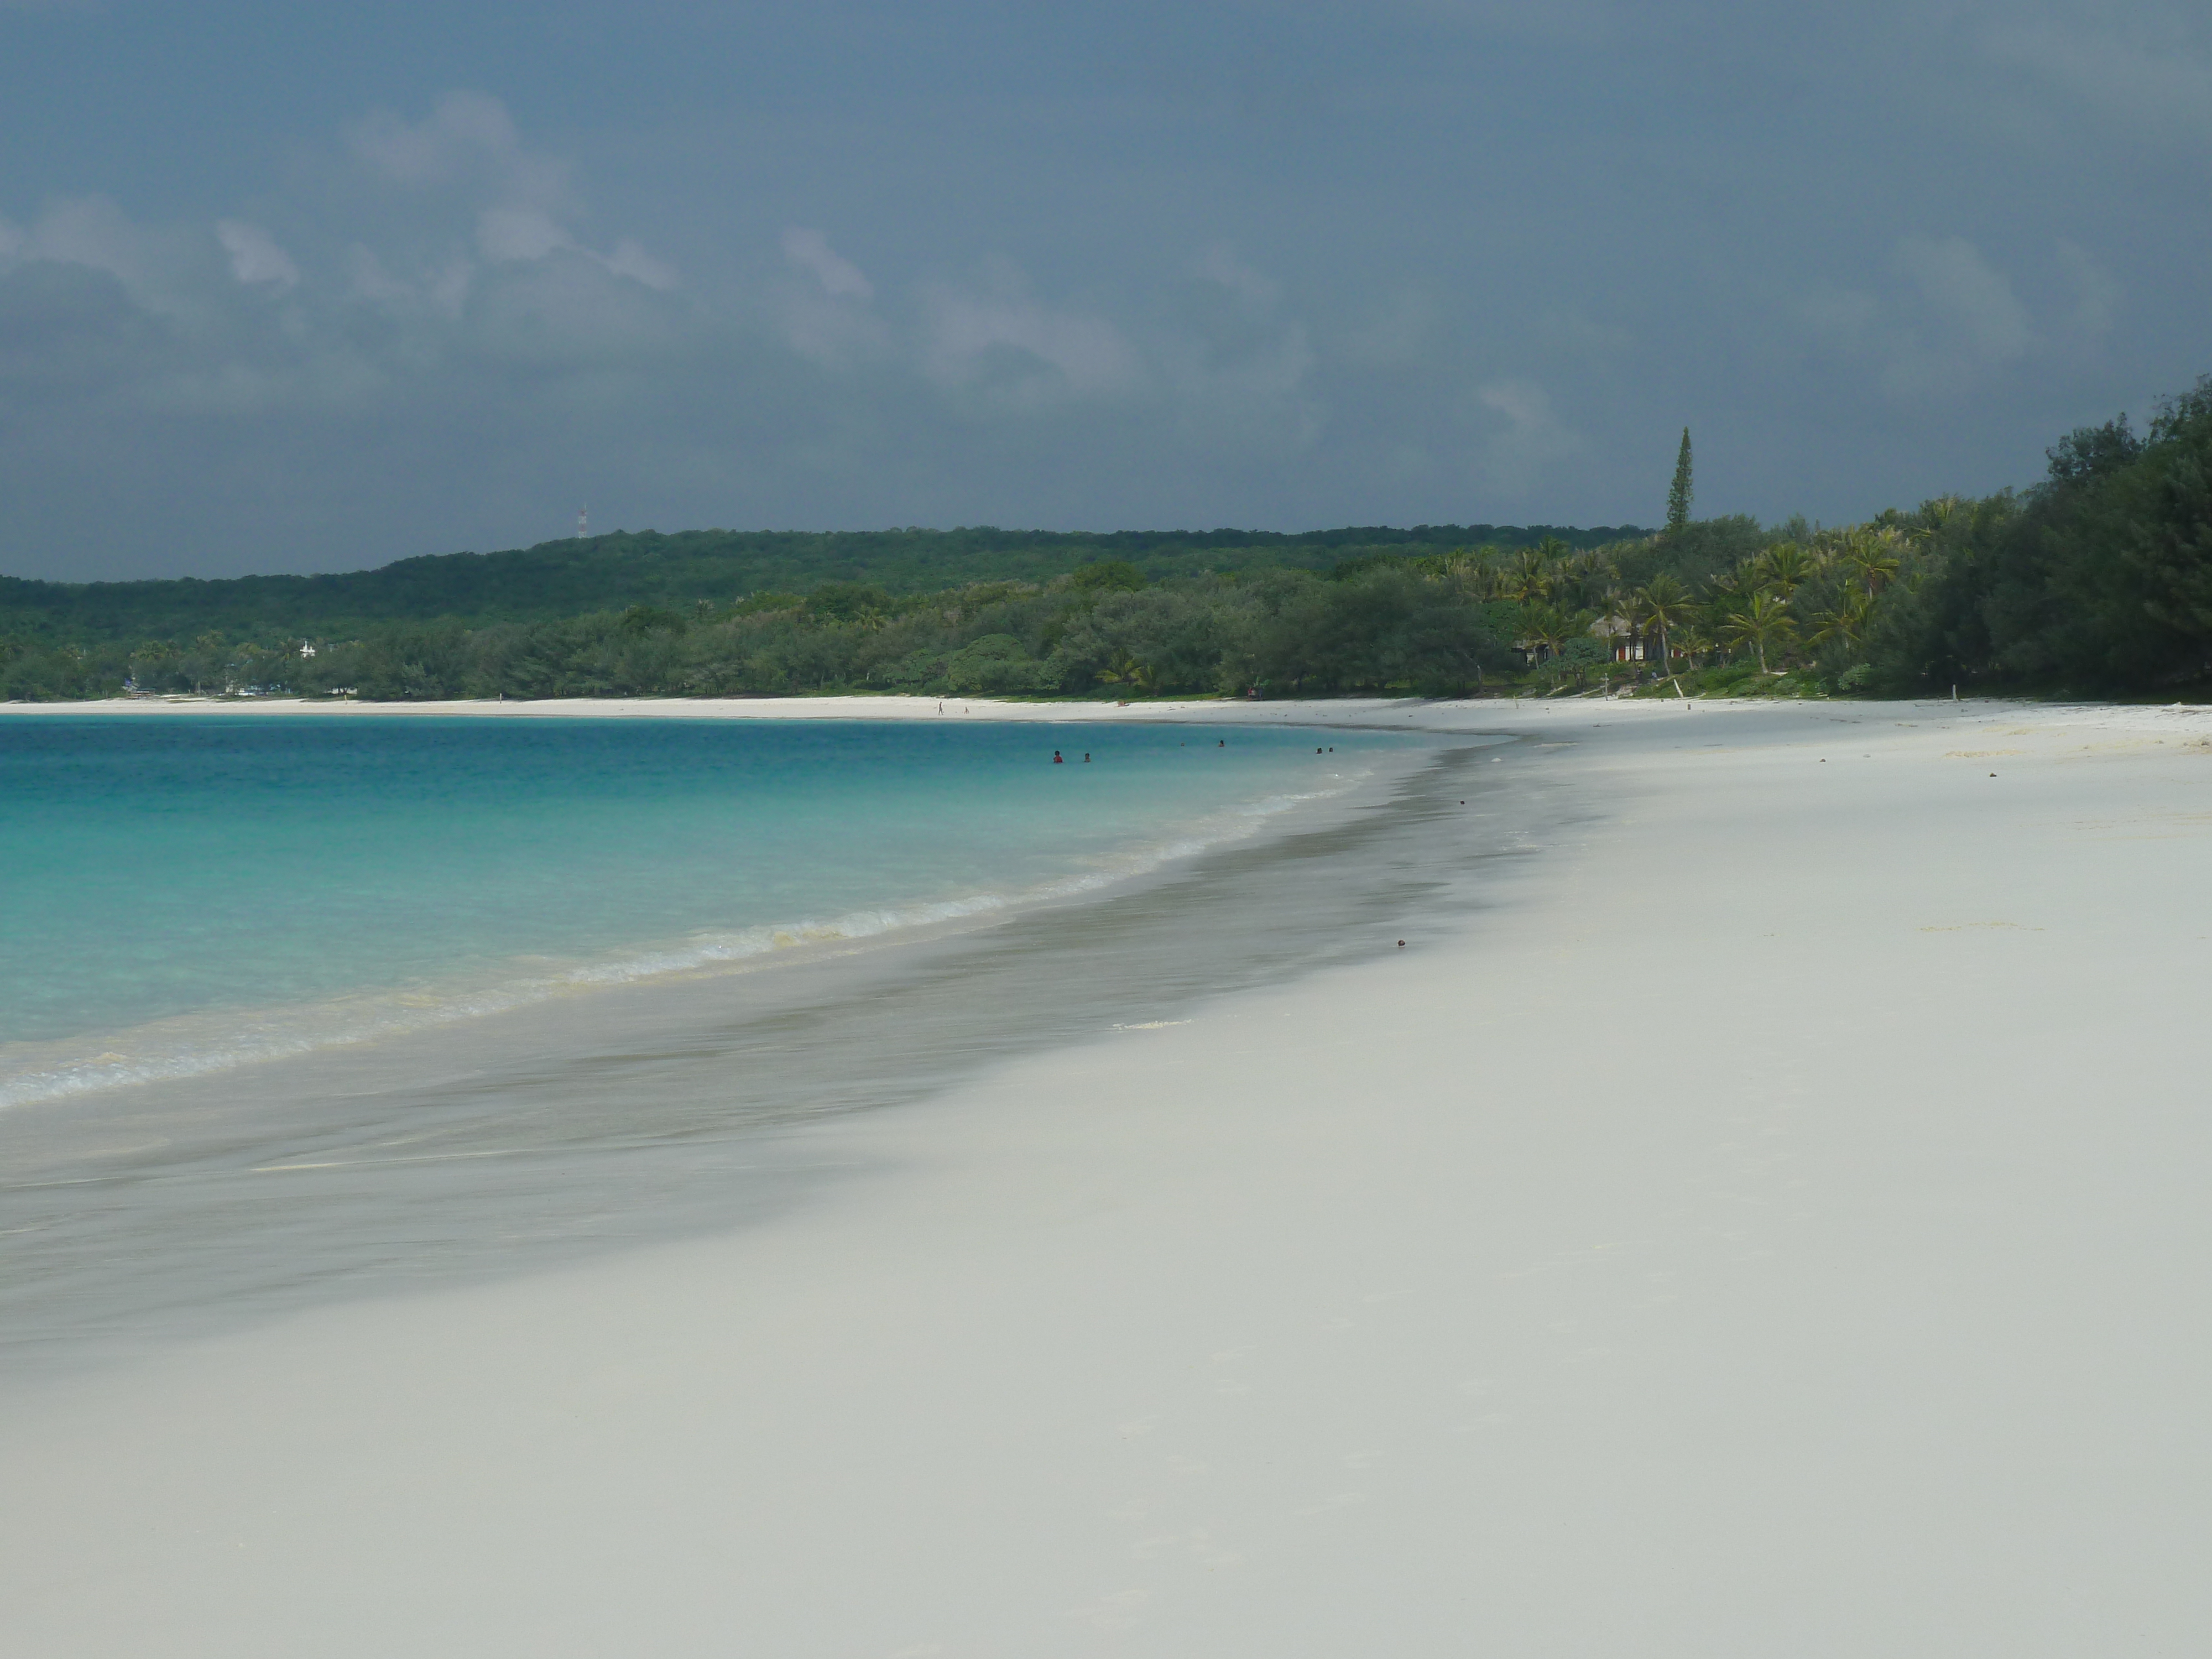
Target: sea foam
[[219, 1039]]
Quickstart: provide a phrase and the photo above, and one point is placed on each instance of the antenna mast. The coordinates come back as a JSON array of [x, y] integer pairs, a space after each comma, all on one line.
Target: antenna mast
[[583, 522]]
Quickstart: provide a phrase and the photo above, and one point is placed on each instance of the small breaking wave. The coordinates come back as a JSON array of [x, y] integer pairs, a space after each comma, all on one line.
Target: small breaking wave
[[200, 1044]]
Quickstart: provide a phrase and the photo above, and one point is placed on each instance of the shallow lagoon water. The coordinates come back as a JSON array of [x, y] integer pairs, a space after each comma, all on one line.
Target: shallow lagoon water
[[190, 893], [614, 1111]]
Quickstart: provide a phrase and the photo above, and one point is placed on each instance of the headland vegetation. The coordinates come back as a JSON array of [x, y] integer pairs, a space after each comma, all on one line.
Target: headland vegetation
[[2095, 579]]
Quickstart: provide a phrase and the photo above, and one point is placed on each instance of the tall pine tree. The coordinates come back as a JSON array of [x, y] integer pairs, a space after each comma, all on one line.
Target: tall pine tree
[[1678, 497]]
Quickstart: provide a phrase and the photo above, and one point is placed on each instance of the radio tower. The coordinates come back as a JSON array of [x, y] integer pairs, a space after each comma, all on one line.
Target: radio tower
[[583, 522]]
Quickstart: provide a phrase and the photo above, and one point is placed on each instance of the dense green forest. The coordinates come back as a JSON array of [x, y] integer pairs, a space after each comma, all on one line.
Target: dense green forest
[[569, 578], [2097, 579]]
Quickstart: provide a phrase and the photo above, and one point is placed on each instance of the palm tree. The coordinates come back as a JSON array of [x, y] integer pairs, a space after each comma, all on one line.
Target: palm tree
[[1528, 578], [1614, 615], [1762, 623], [1701, 631], [1126, 670], [1547, 626], [1588, 575], [1786, 568], [1478, 578], [1937, 515], [1848, 621], [1874, 554], [1662, 605]]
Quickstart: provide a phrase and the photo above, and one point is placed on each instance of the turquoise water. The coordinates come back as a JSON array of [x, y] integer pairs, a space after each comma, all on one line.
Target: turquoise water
[[183, 893]]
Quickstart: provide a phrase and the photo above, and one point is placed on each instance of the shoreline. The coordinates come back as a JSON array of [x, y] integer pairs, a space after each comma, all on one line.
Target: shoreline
[[378, 1013], [1758, 1227], [1501, 715], [1350, 712], [834, 1025]]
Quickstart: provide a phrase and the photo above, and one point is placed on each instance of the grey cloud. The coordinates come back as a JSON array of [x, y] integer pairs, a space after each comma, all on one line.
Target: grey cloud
[[94, 232], [2097, 304], [824, 312], [1527, 438], [2155, 76], [1221, 266], [71, 332], [1249, 263], [566, 308], [512, 233], [999, 341], [840, 278], [1565, 23], [1240, 367], [1950, 320], [627, 258], [1974, 305], [469, 138], [1392, 330], [255, 258], [1847, 315]]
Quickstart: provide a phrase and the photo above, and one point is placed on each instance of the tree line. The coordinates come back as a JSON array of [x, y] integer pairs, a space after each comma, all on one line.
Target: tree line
[[577, 575], [2097, 579], [1718, 600], [1102, 629]]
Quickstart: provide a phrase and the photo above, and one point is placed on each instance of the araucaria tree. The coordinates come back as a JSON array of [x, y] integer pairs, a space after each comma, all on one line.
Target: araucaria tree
[[1678, 496]]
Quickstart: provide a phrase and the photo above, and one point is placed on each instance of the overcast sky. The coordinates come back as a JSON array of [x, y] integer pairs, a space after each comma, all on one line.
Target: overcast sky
[[288, 287]]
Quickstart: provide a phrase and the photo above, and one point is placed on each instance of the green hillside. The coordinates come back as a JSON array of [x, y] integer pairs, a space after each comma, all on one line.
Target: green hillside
[[2097, 579], [611, 572]]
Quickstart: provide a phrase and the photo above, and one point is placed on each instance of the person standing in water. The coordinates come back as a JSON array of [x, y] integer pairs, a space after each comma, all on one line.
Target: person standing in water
[[1056, 760]]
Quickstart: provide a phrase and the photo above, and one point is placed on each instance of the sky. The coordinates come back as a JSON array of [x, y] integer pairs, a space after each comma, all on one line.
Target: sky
[[288, 287]]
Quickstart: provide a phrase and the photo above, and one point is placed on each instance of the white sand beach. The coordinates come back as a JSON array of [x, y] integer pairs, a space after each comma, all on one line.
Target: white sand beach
[[1777, 1225]]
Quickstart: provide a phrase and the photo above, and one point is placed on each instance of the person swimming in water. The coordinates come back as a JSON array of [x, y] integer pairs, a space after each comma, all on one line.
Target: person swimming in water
[[1056, 760]]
